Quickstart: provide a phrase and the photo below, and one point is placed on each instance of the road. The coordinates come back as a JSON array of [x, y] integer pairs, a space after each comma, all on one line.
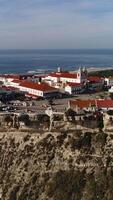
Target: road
[[60, 105]]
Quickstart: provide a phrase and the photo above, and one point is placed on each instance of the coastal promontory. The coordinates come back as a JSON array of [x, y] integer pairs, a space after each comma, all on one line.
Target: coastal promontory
[[64, 164]]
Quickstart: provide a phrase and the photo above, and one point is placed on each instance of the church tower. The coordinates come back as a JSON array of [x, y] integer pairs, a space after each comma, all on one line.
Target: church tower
[[59, 70], [79, 75], [85, 71]]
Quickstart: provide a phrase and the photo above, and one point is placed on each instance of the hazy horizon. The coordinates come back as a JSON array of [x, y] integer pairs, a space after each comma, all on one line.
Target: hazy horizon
[[54, 49], [54, 24]]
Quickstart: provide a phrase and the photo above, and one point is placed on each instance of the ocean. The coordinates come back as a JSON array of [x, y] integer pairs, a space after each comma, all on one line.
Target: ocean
[[26, 61]]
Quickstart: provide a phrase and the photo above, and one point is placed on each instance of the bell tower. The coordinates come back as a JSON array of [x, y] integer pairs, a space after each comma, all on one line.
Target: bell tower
[[85, 71], [79, 75]]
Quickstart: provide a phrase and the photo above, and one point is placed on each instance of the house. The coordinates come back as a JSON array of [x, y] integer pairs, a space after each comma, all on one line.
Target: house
[[91, 104], [14, 83], [95, 82], [38, 89], [32, 89], [7, 78], [73, 88], [109, 81]]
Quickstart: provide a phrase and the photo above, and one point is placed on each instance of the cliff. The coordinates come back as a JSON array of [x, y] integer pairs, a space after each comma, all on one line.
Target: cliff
[[62, 165]]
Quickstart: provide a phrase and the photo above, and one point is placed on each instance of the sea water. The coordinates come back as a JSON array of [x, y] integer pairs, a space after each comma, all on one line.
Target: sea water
[[28, 61]]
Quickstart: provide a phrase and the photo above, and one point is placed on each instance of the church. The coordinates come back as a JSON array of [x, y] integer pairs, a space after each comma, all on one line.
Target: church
[[67, 77]]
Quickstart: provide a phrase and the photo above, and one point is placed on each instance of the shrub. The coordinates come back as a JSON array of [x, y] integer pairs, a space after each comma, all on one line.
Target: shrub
[[101, 138], [24, 118], [66, 185]]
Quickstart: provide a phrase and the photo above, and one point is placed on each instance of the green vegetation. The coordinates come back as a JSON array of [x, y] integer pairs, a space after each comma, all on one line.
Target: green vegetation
[[83, 142], [103, 73], [78, 185], [66, 185], [24, 118], [101, 138], [100, 121]]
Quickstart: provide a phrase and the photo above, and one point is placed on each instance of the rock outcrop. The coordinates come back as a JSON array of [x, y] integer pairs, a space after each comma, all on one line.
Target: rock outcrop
[[62, 165]]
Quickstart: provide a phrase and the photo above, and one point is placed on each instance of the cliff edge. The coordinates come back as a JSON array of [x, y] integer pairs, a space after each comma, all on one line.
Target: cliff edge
[[63, 165]]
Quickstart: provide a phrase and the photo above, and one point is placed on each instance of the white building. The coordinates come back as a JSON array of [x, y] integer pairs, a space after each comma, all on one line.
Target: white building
[[95, 82], [73, 88], [91, 104], [79, 77], [13, 83], [111, 90], [109, 81], [6, 79], [38, 89]]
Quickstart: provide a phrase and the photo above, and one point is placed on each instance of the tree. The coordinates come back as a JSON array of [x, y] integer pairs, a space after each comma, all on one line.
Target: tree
[[24, 118], [71, 113], [100, 121], [50, 101], [8, 119]]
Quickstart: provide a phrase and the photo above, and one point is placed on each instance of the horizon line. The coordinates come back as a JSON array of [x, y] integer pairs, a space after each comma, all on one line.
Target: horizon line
[[3, 49]]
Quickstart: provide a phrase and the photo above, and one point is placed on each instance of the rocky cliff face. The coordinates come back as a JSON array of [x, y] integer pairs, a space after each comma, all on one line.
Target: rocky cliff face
[[63, 165]]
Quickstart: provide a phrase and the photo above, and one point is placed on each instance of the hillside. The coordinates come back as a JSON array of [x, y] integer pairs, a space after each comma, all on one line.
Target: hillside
[[63, 165], [102, 73]]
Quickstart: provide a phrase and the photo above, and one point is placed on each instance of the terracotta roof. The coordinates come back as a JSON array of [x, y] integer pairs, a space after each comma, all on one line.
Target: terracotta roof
[[42, 86], [105, 103], [94, 79], [63, 75], [82, 103], [74, 84], [100, 103], [16, 81]]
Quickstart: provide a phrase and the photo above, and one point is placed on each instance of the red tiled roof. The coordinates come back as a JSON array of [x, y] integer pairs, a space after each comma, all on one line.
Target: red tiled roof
[[100, 103], [94, 79], [74, 84], [82, 103], [105, 103], [16, 81], [63, 75], [42, 86]]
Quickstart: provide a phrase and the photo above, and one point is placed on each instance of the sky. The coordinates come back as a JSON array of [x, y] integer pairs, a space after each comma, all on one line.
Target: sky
[[56, 24]]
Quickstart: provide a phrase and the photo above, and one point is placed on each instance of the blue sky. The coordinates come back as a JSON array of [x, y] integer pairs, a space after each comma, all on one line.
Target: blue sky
[[56, 24]]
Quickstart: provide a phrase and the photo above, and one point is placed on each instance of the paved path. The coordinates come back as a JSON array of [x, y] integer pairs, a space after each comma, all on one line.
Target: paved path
[[60, 105]]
